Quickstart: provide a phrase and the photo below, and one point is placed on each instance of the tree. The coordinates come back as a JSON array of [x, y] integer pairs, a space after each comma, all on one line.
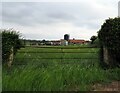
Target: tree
[[43, 41], [93, 38], [109, 36]]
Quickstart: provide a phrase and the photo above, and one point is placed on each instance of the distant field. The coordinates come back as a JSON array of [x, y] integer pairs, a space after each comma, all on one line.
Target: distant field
[[63, 55], [56, 69]]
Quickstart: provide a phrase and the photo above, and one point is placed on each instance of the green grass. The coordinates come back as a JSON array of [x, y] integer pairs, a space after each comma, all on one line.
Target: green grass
[[60, 74]]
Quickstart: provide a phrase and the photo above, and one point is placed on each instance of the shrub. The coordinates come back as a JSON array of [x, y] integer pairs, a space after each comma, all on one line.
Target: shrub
[[96, 43], [109, 36], [10, 38], [93, 38]]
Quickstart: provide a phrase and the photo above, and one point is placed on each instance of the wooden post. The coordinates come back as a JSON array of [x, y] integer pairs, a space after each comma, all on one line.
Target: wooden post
[[105, 55], [10, 57]]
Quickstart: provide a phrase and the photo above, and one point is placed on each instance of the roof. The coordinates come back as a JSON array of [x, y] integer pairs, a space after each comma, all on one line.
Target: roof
[[76, 41]]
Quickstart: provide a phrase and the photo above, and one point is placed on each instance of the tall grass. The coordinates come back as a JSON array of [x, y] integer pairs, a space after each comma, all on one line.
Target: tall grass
[[56, 78], [56, 75]]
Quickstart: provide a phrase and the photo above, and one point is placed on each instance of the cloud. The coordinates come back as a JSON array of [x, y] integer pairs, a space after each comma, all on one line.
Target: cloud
[[51, 20]]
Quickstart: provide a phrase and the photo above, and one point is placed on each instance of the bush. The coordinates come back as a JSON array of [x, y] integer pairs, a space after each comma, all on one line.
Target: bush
[[109, 36], [10, 38], [93, 38], [96, 43]]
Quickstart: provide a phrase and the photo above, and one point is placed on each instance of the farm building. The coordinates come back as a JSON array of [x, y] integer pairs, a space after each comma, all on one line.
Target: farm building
[[56, 42], [64, 42], [76, 41]]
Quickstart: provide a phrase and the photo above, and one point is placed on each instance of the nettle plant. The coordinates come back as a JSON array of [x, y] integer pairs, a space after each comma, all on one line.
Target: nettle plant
[[109, 36], [10, 39]]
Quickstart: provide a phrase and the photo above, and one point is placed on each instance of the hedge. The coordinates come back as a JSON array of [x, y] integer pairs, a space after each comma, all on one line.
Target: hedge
[[10, 38]]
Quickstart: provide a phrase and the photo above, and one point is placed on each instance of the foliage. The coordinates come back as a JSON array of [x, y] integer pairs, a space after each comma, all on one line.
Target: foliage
[[109, 36], [96, 43], [10, 38], [93, 38]]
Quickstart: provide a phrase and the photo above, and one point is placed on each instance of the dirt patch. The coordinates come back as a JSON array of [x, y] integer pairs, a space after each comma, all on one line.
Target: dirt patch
[[114, 86]]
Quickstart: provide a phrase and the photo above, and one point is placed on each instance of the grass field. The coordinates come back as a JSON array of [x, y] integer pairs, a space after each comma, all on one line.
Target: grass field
[[56, 69]]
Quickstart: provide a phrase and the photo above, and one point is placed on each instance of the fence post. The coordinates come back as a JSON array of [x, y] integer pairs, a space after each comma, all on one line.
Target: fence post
[[10, 57], [106, 55]]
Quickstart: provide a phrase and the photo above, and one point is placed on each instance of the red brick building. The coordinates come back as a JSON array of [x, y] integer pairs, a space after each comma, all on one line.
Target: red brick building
[[77, 41]]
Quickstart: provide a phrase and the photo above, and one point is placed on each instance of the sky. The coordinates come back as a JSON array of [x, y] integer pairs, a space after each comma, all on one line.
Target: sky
[[50, 20]]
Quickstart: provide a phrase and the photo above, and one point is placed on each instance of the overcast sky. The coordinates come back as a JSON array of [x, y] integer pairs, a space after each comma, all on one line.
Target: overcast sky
[[51, 20]]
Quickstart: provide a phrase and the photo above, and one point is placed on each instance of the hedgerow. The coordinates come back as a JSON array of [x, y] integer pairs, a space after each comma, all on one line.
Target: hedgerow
[[109, 36], [10, 38]]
